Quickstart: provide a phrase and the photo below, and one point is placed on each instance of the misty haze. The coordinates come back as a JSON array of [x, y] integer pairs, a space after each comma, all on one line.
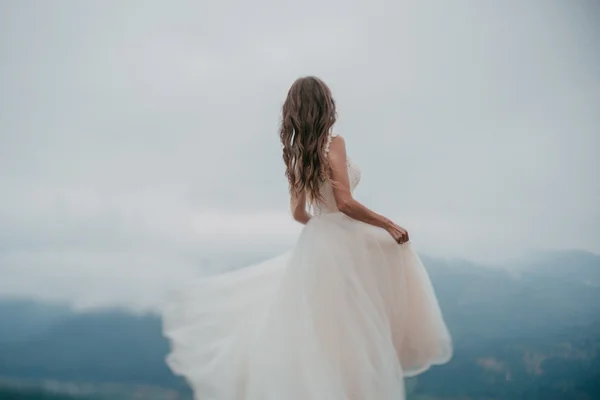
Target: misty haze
[[139, 149]]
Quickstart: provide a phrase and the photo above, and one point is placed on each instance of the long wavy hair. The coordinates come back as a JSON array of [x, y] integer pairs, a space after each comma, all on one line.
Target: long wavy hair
[[307, 118]]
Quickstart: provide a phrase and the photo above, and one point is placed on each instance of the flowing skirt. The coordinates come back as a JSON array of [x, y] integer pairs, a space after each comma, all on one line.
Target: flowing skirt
[[346, 315]]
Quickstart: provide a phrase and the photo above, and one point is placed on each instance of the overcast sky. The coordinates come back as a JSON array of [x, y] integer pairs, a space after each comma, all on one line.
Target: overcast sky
[[139, 146]]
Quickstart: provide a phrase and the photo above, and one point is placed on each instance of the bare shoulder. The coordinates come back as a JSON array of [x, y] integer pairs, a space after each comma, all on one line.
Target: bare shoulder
[[337, 143], [337, 149]]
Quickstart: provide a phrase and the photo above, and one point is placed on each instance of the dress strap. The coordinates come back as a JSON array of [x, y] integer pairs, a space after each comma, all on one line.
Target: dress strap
[[330, 136]]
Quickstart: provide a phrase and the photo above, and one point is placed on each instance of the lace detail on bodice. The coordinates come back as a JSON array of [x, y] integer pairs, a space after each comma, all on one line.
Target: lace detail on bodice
[[328, 204]]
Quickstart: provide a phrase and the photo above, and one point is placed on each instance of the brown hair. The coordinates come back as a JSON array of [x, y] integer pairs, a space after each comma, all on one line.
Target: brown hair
[[307, 117]]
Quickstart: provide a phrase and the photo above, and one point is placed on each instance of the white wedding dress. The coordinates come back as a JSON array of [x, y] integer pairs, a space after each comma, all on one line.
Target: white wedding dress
[[346, 315]]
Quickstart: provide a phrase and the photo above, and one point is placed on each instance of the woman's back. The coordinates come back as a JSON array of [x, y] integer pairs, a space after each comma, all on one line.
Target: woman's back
[[327, 203]]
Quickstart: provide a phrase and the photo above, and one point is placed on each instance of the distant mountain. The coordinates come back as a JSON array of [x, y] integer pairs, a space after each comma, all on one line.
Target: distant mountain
[[48, 389], [14, 394], [108, 346], [531, 331], [22, 320], [531, 298], [574, 266]]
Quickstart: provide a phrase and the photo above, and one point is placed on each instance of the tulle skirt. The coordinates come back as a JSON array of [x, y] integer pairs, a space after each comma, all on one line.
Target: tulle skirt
[[346, 315]]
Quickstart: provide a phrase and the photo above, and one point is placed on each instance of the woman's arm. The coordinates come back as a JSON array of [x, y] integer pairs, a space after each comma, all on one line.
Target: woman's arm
[[298, 207], [343, 197]]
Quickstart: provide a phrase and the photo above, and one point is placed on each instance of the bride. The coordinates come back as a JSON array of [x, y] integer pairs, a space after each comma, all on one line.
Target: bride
[[345, 315]]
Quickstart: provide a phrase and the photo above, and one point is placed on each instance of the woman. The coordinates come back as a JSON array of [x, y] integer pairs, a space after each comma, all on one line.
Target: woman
[[346, 315]]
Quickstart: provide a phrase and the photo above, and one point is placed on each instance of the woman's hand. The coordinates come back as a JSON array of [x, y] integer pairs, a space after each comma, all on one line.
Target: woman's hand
[[399, 234]]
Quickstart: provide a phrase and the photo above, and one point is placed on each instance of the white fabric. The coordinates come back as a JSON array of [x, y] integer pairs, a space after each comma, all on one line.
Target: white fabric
[[346, 315]]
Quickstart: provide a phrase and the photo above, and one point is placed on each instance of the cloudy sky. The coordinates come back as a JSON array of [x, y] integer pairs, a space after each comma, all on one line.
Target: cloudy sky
[[138, 139]]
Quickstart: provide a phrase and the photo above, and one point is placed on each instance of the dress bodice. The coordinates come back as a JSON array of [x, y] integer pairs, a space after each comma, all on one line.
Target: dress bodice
[[328, 203]]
